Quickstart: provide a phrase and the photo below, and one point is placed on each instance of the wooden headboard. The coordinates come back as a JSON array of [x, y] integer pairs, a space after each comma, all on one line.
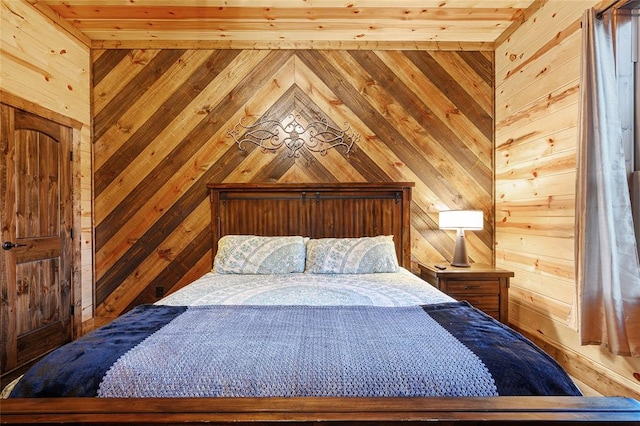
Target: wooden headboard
[[316, 210]]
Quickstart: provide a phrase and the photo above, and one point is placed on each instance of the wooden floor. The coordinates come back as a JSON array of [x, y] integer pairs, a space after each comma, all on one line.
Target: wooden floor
[[586, 390]]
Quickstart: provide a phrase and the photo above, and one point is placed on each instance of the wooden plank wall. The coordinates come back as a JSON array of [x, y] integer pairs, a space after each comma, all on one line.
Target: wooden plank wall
[[160, 134], [46, 71], [537, 92]]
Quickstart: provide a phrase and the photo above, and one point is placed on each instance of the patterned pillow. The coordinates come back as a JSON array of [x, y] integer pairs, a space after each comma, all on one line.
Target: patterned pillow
[[351, 255], [250, 254]]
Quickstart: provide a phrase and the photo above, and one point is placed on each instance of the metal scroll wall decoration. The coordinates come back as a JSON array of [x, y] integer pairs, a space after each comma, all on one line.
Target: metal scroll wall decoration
[[271, 135]]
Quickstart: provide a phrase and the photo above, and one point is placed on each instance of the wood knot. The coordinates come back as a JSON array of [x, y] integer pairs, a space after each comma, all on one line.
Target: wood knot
[[164, 254]]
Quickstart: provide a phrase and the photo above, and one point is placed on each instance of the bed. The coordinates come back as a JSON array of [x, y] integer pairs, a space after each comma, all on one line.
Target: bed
[[310, 313]]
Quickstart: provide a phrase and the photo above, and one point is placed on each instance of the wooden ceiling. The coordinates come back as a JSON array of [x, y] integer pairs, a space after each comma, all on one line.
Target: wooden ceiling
[[455, 24]]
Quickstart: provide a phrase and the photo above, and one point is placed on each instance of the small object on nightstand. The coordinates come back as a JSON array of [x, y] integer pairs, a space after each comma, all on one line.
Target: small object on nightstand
[[440, 266]]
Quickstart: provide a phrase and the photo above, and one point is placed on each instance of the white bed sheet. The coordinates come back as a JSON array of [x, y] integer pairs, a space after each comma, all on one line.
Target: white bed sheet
[[380, 289]]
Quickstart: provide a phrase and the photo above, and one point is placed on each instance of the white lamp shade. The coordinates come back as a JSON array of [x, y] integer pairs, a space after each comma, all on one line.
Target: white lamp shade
[[461, 219]]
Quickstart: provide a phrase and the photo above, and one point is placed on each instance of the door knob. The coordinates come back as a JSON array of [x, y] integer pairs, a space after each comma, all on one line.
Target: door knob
[[8, 245]]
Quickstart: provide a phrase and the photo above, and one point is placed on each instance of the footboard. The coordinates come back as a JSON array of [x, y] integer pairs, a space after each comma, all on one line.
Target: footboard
[[502, 410]]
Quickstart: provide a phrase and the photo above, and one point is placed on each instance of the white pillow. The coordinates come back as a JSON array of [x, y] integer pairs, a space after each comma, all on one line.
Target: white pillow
[[251, 254], [363, 255]]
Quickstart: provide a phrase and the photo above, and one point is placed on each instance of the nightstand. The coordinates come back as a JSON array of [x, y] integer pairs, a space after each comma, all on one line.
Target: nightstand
[[485, 287]]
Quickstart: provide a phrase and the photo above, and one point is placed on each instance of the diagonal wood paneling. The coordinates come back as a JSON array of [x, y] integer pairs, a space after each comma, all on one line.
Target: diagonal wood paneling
[[160, 123]]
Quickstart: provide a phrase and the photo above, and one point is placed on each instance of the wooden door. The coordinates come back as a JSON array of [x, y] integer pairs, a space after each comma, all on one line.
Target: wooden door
[[36, 206]]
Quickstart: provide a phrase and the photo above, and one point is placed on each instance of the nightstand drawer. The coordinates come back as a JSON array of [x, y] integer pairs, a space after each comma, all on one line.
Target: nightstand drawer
[[494, 314], [484, 303], [468, 287]]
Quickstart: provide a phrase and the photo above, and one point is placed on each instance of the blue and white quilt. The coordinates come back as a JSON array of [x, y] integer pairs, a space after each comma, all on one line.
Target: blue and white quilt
[[298, 350]]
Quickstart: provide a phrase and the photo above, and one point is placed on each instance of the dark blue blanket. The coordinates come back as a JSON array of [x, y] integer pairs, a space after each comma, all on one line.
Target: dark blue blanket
[[516, 366]]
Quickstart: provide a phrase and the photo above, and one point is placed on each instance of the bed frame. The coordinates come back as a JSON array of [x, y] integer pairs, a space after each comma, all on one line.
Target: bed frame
[[318, 210]]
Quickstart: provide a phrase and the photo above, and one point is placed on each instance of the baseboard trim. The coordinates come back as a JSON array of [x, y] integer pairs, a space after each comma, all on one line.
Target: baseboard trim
[[581, 368]]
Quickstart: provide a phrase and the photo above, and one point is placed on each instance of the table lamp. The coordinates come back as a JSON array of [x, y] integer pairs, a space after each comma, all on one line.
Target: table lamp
[[461, 220]]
